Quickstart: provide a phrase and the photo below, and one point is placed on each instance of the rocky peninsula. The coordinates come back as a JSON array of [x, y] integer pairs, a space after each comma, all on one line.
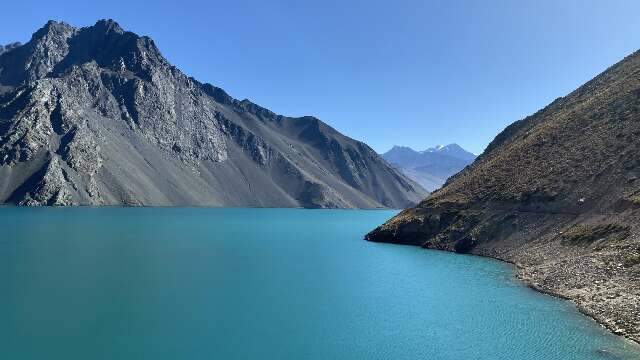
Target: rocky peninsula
[[557, 194]]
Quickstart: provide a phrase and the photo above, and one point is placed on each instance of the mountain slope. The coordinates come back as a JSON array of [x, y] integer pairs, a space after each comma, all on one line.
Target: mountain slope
[[557, 193], [96, 116], [431, 167]]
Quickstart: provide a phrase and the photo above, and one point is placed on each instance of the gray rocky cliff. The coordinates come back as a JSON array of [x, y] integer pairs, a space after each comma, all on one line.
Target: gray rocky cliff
[[97, 116]]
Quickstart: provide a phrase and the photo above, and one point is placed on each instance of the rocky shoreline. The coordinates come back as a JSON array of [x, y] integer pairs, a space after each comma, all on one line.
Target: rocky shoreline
[[606, 314], [605, 320], [601, 277]]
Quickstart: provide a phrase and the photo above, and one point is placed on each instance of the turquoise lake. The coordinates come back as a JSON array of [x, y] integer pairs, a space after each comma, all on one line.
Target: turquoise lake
[[183, 283]]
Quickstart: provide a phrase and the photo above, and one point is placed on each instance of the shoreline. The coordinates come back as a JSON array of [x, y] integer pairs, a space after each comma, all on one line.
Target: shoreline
[[579, 307], [518, 275]]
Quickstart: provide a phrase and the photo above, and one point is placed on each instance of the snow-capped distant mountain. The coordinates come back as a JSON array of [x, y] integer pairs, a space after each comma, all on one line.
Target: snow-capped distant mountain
[[430, 167], [453, 150]]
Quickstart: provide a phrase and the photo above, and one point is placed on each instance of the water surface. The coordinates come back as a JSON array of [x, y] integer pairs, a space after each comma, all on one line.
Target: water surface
[[170, 283]]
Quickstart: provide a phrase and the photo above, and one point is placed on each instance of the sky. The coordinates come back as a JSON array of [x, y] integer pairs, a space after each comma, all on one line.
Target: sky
[[413, 73]]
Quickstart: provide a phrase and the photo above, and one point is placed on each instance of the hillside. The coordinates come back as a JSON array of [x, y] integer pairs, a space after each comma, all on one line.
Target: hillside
[[558, 194]]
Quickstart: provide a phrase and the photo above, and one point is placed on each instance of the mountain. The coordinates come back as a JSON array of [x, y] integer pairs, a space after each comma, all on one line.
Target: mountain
[[431, 167], [97, 116], [558, 194], [453, 150]]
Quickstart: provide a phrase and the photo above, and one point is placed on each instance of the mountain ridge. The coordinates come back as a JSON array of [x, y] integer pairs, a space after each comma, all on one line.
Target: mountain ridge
[[97, 116], [430, 167]]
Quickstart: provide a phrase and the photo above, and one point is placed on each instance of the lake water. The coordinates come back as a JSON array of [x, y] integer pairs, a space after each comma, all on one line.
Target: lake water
[[180, 283]]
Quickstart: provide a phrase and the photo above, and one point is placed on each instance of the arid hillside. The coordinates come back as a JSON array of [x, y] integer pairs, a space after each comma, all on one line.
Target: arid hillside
[[558, 194]]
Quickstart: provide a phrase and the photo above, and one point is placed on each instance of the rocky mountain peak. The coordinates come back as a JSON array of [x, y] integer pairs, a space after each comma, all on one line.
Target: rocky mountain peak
[[34, 60], [52, 29], [107, 26], [112, 47], [96, 115], [453, 150], [57, 47]]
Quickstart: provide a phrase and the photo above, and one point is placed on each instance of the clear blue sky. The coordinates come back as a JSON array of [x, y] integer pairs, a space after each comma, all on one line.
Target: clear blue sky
[[414, 73]]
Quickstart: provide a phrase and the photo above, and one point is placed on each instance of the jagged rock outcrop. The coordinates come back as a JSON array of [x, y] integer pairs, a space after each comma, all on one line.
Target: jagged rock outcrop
[[556, 193], [96, 115], [52, 189]]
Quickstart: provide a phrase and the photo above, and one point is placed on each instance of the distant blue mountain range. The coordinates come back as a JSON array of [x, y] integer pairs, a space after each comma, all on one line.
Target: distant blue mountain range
[[430, 167]]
